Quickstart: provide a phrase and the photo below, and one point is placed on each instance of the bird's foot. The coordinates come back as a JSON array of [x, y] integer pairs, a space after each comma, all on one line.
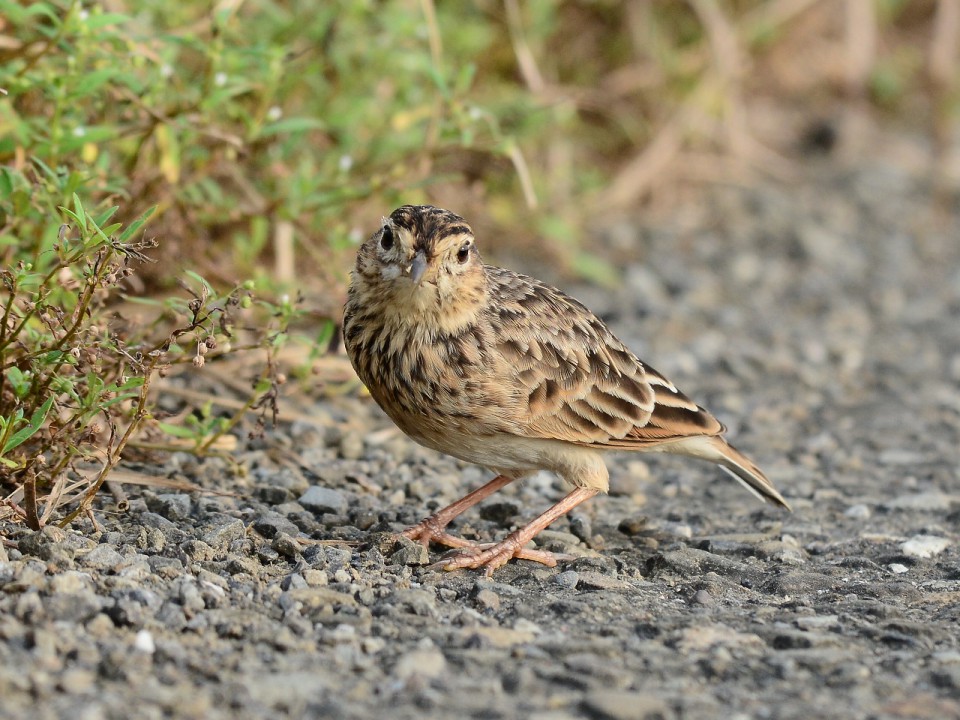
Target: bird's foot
[[473, 554], [491, 556], [428, 531]]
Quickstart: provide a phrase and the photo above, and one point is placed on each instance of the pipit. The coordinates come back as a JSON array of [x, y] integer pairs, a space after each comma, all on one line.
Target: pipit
[[501, 370]]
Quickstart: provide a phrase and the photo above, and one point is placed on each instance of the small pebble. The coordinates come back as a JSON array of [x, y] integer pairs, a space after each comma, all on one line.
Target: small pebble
[[581, 526], [858, 512], [487, 599], [702, 597], [817, 622], [409, 553], [286, 545], [633, 525], [102, 557], [426, 663], [567, 579], [924, 546], [320, 500], [925, 501], [143, 642], [623, 705], [351, 446]]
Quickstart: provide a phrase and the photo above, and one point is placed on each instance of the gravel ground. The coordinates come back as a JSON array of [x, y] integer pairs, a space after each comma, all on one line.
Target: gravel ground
[[819, 321]]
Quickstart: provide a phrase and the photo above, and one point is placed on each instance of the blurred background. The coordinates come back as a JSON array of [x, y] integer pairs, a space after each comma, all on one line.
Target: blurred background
[[272, 136], [174, 172]]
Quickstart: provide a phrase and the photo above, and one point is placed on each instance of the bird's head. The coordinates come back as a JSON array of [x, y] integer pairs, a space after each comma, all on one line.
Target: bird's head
[[423, 262]]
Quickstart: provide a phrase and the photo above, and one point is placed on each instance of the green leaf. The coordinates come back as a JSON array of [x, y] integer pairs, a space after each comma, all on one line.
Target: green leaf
[[292, 125], [18, 381], [117, 399], [51, 175], [106, 215], [596, 270], [136, 224], [95, 22], [130, 384], [89, 83], [6, 181], [177, 431], [25, 433], [70, 213], [81, 215], [199, 279]]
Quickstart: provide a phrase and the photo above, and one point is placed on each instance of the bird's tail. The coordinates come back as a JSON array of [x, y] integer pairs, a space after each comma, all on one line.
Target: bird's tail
[[716, 449]]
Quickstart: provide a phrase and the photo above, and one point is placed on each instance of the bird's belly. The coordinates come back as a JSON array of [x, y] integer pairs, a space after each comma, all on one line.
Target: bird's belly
[[520, 457]]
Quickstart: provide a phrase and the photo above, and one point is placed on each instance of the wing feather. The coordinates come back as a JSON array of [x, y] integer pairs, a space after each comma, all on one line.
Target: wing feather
[[578, 382]]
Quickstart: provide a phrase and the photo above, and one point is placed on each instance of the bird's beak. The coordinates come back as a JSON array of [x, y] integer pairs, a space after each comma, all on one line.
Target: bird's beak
[[418, 267]]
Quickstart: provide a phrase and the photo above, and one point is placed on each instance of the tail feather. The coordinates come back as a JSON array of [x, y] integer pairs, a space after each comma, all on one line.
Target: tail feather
[[739, 466]]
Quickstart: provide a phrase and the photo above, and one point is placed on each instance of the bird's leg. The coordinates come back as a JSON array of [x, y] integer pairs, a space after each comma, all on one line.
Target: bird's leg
[[468, 547], [512, 545], [432, 528]]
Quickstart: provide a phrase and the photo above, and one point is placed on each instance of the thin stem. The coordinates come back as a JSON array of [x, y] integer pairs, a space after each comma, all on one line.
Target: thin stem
[[115, 452]]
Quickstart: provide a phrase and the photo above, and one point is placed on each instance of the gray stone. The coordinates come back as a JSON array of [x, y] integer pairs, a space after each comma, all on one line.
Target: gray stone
[[172, 532], [703, 597], [925, 501], [73, 607], [43, 543], [858, 512], [286, 546], [102, 557], [599, 581], [409, 553], [818, 622], [487, 599], [272, 524], [567, 579], [924, 546], [318, 499], [623, 705], [351, 447], [426, 663], [172, 506], [222, 534]]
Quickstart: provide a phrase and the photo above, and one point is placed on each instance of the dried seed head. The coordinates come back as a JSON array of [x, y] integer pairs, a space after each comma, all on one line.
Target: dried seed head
[[66, 279], [198, 361]]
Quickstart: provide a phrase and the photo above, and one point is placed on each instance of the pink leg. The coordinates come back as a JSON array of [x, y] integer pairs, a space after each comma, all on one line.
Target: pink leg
[[512, 545], [541, 556], [432, 529]]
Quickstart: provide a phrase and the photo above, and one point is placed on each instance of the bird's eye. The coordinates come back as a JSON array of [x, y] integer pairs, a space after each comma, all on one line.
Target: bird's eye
[[463, 254], [386, 240]]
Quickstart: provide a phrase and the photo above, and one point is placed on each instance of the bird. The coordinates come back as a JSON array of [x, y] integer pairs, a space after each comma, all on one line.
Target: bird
[[506, 372]]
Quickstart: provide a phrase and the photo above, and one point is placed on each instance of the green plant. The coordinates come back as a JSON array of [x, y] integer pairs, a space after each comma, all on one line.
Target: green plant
[[75, 376]]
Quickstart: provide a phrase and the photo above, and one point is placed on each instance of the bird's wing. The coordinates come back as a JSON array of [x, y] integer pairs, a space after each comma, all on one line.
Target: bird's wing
[[579, 382]]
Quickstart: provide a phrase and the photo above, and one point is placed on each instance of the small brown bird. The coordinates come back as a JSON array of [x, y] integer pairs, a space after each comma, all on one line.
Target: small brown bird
[[498, 369]]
